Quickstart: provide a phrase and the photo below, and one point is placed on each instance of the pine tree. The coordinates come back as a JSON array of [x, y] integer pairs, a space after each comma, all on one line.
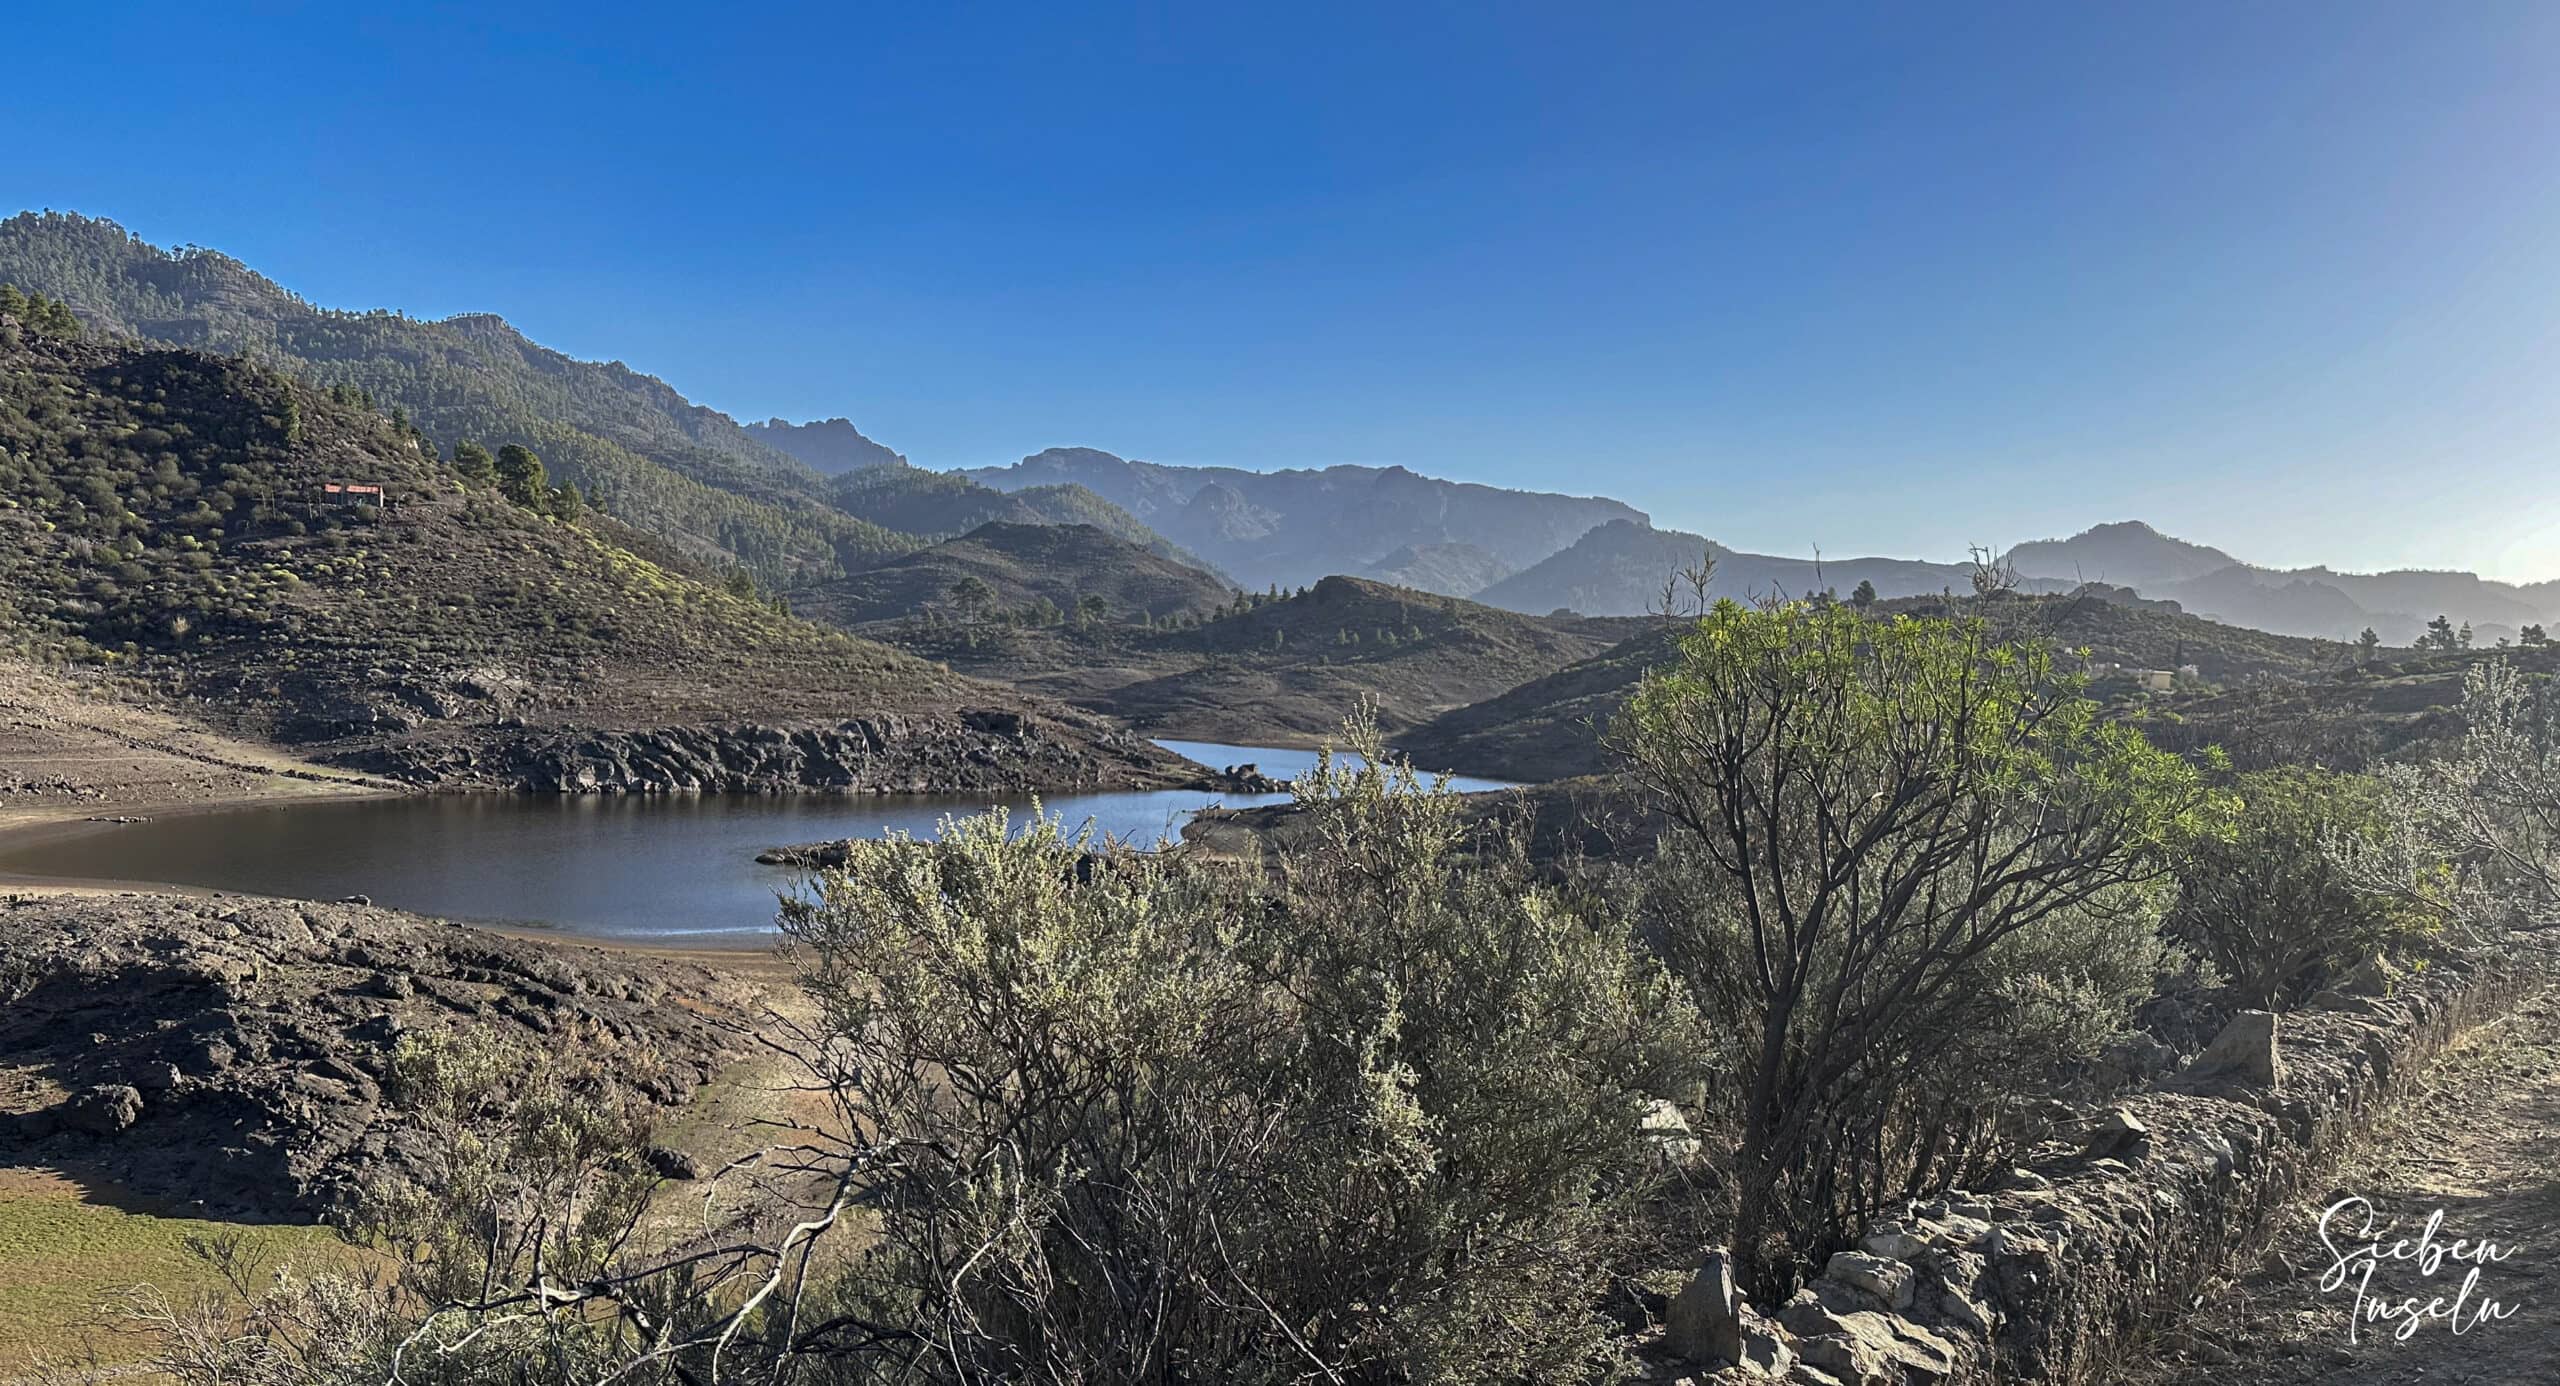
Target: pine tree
[[477, 467], [521, 478]]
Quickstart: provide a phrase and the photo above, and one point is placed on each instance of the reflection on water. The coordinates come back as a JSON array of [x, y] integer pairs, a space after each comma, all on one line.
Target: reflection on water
[[622, 865]]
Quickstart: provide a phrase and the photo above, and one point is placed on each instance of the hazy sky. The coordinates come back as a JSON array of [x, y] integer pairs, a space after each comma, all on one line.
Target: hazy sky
[[2281, 278]]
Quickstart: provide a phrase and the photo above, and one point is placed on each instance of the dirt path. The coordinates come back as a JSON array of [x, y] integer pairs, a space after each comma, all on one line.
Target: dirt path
[[2479, 1139]]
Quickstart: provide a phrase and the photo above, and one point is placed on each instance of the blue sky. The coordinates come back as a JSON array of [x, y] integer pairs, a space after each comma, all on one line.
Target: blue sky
[[2283, 278]]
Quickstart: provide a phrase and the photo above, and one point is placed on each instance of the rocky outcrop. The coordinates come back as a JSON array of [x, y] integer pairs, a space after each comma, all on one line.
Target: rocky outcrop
[[984, 749], [235, 1054], [2036, 1278]]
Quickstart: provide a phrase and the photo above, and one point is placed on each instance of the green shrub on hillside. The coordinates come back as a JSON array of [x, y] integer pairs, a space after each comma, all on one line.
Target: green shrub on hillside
[[2273, 911], [1907, 867], [1144, 1122]]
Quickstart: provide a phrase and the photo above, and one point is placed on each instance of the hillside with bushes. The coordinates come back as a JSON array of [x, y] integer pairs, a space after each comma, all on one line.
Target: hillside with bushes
[[1553, 727], [169, 514], [1049, 571], [1259, 668], [629, 441], [938, 505]]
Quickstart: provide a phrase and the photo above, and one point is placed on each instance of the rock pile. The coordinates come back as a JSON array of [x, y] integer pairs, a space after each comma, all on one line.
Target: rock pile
[[234, 1053], [2034, 1278], [981, 749]]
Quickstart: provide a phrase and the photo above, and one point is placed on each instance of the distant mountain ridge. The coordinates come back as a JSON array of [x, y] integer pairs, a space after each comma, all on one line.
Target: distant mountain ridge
[[1293, 527], [913, 500], [1452, 570], [829, 446], [1619, 569], [2317, 602], [775, 498]]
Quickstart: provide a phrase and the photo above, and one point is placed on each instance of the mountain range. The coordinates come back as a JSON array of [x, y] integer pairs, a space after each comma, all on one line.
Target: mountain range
[[1290, 528], [795, 504], [2318, 602], [826, 445]]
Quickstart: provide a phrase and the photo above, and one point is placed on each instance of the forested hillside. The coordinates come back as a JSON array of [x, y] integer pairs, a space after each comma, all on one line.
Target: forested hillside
[[167, 513], [629, 441]]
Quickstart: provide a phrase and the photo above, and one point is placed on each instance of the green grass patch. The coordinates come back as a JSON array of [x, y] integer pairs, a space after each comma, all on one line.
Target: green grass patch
[[64, 1258]]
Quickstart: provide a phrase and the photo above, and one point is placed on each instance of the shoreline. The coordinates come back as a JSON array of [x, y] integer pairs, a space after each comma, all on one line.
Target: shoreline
[[24, 831]]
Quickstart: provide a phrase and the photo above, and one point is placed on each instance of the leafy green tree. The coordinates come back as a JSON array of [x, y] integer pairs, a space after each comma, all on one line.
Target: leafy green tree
[[566, 503], [2440, 635], [2366, 644], [521, 478], [1864, 596], [2462, 638], [1092, 609], [474, 464], [2532, 635], [1903, 862]]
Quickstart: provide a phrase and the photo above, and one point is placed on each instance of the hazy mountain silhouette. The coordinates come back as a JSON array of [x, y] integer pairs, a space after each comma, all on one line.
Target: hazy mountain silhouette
[[1619, 569], [828, 445], [2317, 602], [1297, 526]]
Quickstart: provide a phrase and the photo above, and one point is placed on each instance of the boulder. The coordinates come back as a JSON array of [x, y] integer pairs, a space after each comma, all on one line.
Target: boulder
[[1888, 1280], [1866, 1348], [2375, 976], [2243, 1055], [2119, 1131], [1894, 1241], [671, 1163], [104, 1110], [1704, 1321]]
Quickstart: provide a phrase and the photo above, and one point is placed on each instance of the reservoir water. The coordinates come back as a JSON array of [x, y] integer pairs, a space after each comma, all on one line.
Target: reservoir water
[[680, 868]]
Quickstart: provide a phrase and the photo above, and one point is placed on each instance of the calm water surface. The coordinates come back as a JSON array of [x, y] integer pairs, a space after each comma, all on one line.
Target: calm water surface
[[621, 865]]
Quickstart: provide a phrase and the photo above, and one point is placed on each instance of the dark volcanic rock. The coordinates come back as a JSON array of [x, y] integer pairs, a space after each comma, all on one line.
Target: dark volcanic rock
[[239, 1052], [976, 749], [673, 1163], [105, 1110]]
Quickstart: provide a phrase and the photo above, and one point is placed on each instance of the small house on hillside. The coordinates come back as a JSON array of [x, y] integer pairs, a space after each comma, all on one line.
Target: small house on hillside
[[351, 493]]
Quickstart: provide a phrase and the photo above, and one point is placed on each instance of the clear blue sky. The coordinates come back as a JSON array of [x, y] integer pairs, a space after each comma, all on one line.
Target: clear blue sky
[[2280, 277]]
